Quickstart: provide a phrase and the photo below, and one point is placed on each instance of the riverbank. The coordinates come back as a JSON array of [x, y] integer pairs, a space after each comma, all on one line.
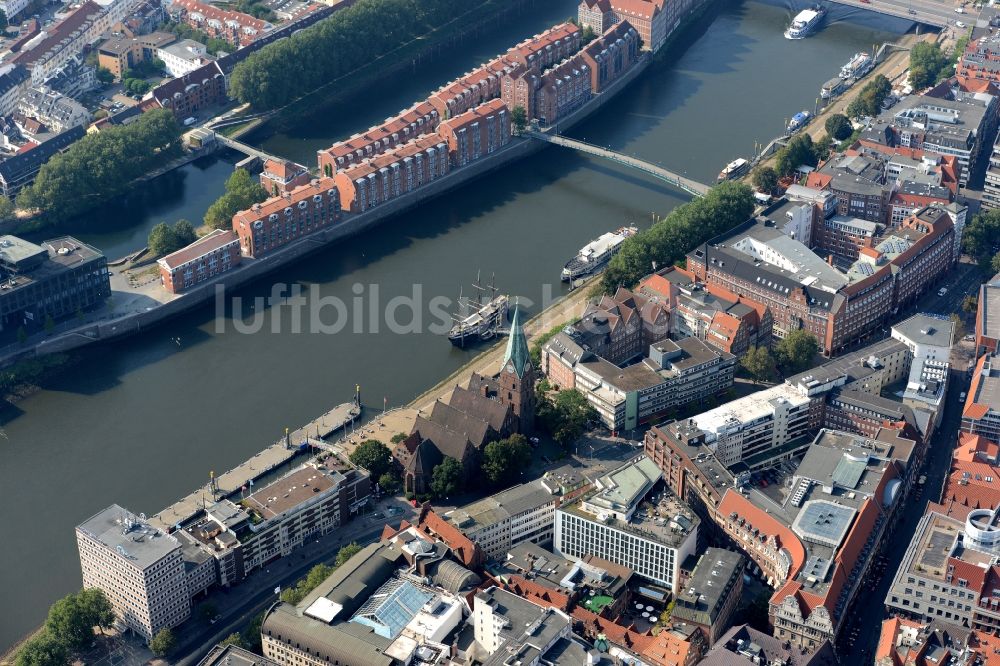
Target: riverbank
[[140, 308]]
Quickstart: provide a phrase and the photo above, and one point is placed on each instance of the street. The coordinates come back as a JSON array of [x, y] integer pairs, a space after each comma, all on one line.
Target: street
[[859, 637]]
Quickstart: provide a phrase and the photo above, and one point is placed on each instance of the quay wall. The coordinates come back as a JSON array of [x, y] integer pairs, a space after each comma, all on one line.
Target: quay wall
[[350, 225]]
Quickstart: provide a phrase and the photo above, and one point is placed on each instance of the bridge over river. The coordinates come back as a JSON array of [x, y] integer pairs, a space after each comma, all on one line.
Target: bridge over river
[[675, 180]]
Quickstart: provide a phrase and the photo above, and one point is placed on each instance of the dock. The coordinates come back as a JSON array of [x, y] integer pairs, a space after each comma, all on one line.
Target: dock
[[271, 458]]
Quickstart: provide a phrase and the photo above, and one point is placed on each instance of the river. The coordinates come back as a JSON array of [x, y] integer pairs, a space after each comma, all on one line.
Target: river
[[143, 421]]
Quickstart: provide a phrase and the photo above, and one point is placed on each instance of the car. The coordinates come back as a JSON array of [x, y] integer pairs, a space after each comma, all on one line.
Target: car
[[942, 291], [959, 10], [961, 396], [912, 11], [959, 24]]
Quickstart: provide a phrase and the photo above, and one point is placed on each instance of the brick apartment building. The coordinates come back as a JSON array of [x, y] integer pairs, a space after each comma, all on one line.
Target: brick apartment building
[[805, 292], [280, 220], [398, 171], [727, 321], [203, 259], [611, 55], [279, 176], [123, 52], [475, 133], [237, 28], [193, 92], [652, 19], [981, 59], [416, 121]]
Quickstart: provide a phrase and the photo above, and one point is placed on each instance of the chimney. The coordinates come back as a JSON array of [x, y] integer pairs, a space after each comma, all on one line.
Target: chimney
[[829, 259]]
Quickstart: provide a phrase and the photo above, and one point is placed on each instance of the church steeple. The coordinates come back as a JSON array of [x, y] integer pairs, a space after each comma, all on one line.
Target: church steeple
[[517, 377], [517, 355]]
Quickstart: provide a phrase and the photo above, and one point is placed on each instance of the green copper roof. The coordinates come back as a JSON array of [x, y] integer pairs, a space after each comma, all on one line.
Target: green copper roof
[[517, 346]]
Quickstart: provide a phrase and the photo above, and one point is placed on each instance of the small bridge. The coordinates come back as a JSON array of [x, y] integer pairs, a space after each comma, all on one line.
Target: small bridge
[[675, 180], [239, 146]]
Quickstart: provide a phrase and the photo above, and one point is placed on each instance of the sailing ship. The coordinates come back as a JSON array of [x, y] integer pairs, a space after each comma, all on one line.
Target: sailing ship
[[482, 318]]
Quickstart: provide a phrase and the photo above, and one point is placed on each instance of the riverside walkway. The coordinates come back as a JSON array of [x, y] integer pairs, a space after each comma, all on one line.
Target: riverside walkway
[[656, 171]]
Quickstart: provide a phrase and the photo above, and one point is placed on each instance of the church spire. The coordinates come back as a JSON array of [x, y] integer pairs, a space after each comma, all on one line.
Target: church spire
[[517, 347]]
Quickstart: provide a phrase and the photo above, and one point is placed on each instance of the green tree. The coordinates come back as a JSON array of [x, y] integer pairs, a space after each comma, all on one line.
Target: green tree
[[799, 151], [6, 209], [970, 304], [795, 352], [838, 126], [668, 240], [49, 324], [959, 326], [764, 179], [587, 35], [163, 643], [398, 437], [981, 238], [373, 456], [870, 98], [347, 552], [242, 191], [927, 64], [101, 166], [208, 611], [104, 75], [995, 263], [759, 363], [390, 483], [505, 459], [72, 619], [446, 478], [565, 417], [251, 633], [235, 638], [519, 118], [161, 240], [44, 649]]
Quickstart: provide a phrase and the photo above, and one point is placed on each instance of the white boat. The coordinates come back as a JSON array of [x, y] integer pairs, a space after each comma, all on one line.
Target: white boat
[[596, 253], [798, 120], [805, 22], [832, 88], [859, 65], [734, 169]]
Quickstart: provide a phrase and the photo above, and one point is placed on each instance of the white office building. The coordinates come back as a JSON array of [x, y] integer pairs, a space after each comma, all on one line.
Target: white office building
[[139, 568], [607, 523]]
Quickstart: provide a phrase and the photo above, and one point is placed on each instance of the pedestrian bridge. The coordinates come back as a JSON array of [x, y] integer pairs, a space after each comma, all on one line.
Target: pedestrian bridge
[[658, 172], [244, 148]]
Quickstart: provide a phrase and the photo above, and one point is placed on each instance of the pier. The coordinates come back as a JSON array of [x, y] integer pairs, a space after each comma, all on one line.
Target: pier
[[673, 179], [271, 458]]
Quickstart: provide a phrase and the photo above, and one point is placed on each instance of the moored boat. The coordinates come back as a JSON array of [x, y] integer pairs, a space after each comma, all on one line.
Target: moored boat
[[734, 169], [478, 319], [596, 253], [798, 120], [860, 64]]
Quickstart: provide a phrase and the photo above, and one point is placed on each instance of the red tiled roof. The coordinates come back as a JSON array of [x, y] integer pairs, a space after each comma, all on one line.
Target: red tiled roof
[[202, 246], [818, 181], [667, 649], [887, 641], [973, 574], [644, 9], [974, 410], [726, 323], [616, 633], [431, 523], [967, 484], [972, 448], [734, 502], [213, 12], [279, 203]]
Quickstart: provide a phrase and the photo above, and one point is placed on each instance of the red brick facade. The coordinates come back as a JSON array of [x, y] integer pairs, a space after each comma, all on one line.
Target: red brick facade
[[203, 259], [421, 119], [280, 220], [396, 172], [475, 133]]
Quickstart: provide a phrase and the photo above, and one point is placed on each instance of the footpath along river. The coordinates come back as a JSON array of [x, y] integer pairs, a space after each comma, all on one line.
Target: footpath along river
[[142, 421]]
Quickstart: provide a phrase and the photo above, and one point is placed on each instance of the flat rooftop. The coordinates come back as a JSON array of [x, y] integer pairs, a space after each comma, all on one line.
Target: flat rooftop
[[495, 508], [129, 535], [667, 519], [291, 490], [747, 409], [927, 329], [989, 301], [934, 545]]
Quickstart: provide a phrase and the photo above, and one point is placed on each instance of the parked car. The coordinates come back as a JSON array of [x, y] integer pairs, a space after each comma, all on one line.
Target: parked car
[[959, 24]]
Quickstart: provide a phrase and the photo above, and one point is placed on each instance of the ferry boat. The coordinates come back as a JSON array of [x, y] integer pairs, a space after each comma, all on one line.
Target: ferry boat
[[832, 88], [859, 65], [805, 23], [596, 253], [479, 319], [734, 169], [798, 120]]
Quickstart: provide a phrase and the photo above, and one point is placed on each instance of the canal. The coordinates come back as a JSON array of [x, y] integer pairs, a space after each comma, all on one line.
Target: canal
[[144, 420]]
